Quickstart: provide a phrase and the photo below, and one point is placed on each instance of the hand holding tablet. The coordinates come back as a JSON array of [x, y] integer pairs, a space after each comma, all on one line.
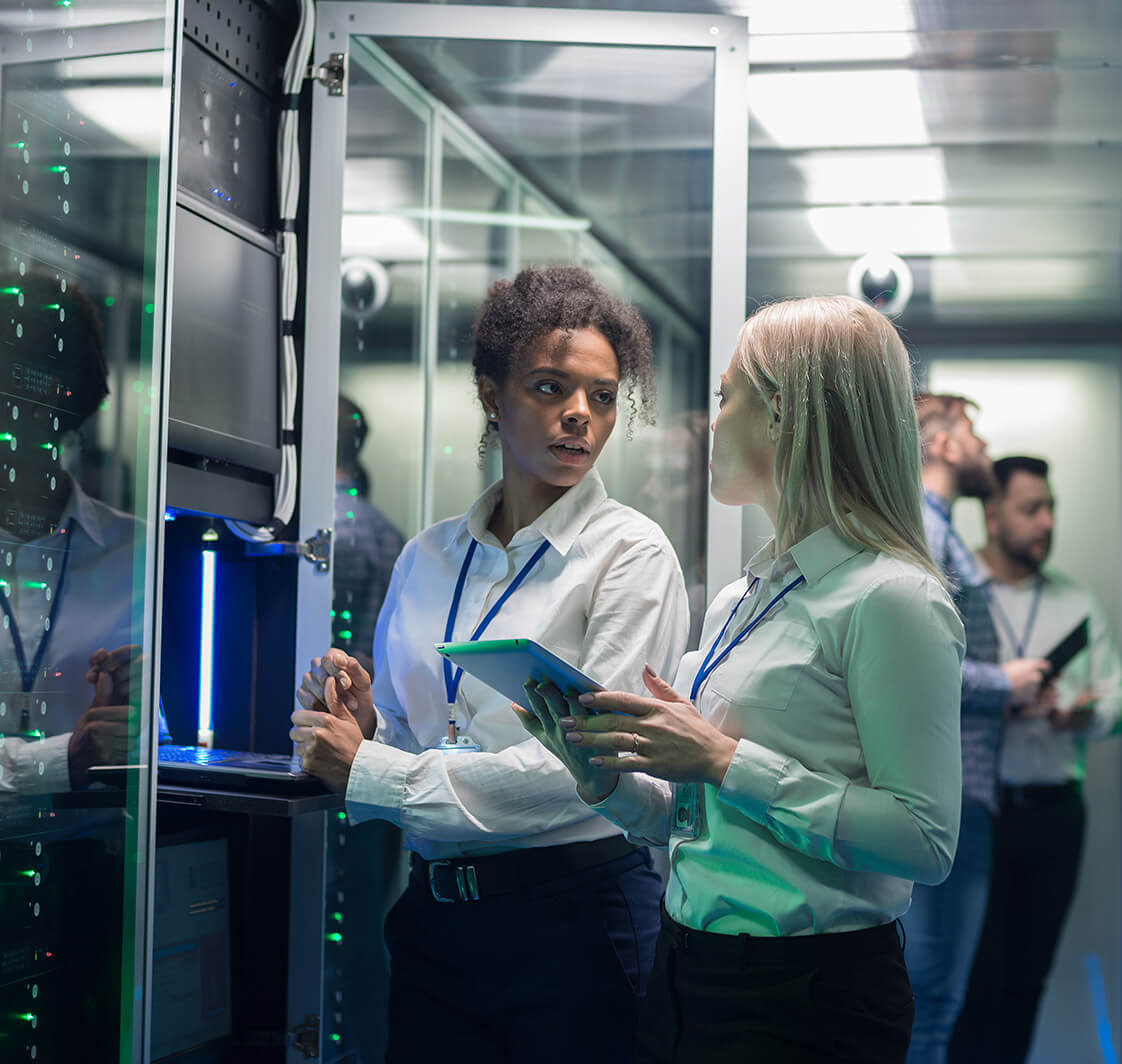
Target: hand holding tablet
[[506, 665]]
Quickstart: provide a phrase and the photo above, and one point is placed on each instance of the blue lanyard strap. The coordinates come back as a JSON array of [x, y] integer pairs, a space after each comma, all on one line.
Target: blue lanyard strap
[[28, 675], [710, 663], [1003, 618], [452, 680]]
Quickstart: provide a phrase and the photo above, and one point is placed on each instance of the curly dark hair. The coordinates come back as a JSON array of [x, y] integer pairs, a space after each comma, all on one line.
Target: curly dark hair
[[541, 299]]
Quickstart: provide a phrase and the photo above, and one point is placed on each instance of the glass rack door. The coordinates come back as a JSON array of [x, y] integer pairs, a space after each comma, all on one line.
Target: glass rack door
[[84, 179]]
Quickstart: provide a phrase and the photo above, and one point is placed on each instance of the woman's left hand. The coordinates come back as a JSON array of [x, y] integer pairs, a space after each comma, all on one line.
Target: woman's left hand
[[664, 736], [327, 742]]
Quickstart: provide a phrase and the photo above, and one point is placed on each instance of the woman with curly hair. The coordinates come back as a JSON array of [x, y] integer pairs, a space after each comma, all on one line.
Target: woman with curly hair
[[521, 901]]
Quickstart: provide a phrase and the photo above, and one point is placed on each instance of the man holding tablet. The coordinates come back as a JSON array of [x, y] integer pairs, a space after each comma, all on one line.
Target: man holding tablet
[[1038, 836]]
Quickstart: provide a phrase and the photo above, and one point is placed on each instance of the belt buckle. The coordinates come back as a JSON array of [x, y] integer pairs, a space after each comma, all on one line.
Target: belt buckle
[[467, 885]]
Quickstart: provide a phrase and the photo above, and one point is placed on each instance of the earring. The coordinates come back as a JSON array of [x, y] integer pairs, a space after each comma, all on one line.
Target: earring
[[493, 417]]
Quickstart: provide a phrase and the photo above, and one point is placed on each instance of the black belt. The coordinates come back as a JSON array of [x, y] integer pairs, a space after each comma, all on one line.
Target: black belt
[[477, 878], [1038, 795], [708, 947]]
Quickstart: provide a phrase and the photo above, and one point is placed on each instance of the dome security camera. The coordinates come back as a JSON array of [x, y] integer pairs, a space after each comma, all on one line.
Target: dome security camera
[[365, 287], [882, 280]]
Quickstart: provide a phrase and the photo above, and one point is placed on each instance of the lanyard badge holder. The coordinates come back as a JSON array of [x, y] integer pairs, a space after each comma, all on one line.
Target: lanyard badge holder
[[463, 744], [689, 810]]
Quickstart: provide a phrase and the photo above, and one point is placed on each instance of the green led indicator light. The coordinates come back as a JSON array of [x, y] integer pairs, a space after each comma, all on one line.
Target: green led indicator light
[[6, 436], [352, 492], [4, 583], [334, 937], [29, 872], [350, 515], [340, 816], [50, 306], [13, 291], [34, 585], [210, 535], [346, 633], [58, 169], [332, 613], [346, 615], [336, 1037], [337, 917], [46, 446], [18, 144], [448, 448], [109, 301], [29, 1016], [149, 308]]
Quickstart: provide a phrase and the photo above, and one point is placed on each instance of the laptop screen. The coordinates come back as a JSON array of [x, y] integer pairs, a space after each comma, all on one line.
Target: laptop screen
[[191, 947]]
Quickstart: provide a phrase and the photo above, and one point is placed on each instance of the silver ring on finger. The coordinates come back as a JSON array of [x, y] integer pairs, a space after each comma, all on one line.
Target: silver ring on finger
[[635, 743]]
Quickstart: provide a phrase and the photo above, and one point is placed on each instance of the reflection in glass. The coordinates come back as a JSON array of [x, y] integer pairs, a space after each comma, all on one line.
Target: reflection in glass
[[82, 143], [468, 160]]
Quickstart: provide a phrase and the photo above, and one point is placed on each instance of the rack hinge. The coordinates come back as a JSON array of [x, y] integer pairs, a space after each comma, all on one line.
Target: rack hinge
[[305, 1036], [332, 73], [317, 549]]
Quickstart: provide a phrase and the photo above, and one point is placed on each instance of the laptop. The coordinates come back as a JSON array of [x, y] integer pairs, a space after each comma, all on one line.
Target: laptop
[[196, 766]]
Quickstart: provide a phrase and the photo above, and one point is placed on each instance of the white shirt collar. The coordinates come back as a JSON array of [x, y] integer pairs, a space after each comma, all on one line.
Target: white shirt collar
[[560, 524], [81, 508]]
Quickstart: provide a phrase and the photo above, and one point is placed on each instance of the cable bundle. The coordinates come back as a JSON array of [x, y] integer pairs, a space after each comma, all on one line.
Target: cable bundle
[[288, 170]]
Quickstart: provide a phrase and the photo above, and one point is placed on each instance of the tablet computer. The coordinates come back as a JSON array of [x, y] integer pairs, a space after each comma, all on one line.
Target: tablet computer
[[506, 664], [1066, 649]]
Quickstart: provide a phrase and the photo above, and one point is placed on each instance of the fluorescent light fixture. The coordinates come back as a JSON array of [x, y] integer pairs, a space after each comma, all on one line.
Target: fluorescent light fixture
[[817, 48], [839, 108], [906, 175], [499, 218], [605, 74], [398, 235], [139, 116], [825, 16], [908, 229], [206, 650]]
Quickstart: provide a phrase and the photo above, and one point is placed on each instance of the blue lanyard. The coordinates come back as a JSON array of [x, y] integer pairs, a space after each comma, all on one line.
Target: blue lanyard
[[28, 675], [452, 680], [708, 666], [1003, 619]]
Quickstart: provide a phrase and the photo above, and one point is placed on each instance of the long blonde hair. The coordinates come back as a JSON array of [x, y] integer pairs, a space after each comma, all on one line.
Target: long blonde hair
[[848, 450]]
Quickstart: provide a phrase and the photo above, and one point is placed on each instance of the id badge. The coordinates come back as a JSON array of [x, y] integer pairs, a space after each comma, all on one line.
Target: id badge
[[687, 811]]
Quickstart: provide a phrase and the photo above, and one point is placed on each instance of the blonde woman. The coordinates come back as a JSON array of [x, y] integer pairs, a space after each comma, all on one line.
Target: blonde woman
[[804, 768]]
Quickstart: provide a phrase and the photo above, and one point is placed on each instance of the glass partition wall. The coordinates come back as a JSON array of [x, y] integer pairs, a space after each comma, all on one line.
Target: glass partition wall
[[463, 144], [440, 199], [84, 111]]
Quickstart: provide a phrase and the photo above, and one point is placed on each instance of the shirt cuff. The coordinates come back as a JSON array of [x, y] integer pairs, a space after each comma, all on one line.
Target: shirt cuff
[[376, 785], [40, 767], [627, 804], [752, 779]]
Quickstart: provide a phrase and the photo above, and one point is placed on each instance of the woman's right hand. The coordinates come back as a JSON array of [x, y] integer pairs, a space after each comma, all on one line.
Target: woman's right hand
[[352, 682], [549, 705]]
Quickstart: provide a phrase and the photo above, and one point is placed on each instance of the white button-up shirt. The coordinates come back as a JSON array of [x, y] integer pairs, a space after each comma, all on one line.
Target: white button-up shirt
[[846, 781], [100, 606], [608, 596], [1032, 751]]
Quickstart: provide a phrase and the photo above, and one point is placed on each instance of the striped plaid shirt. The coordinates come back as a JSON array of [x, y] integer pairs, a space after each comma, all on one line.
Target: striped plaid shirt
[[985, 687]]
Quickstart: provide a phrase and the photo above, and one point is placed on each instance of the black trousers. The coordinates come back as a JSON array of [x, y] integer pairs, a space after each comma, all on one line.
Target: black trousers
[[551, 974], [1037, 844], [719, 999]]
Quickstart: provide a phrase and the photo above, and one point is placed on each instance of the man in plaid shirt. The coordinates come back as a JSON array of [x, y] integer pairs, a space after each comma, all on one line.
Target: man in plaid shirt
[[944, 922]]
